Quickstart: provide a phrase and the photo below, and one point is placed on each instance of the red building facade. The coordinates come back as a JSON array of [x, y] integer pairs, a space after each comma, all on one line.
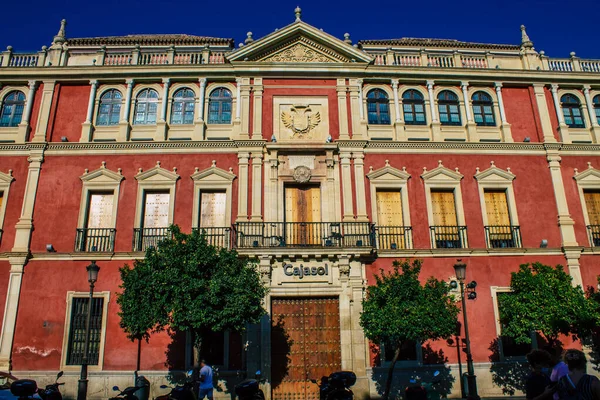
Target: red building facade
[[300, 150]]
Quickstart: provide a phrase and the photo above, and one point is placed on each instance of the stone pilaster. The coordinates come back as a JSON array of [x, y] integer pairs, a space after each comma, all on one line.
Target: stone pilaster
[[359, 183], [124, 123], [400, 133], [13, 294], [573, 254], [565, 222], [271, 187], [25, 126], [342, 90], [161, 124], [87, 127], [348, 211], [243, 107], [256, 186], [243, 186], [257, 90], [44, 113], [25, 223], [359, 123], [540, 99]]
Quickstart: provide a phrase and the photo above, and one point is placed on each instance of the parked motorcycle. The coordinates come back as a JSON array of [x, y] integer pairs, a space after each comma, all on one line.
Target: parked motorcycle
[[419, 390], [126, 394], [52, 391], [184, 391], [337, 386], [249, 389]]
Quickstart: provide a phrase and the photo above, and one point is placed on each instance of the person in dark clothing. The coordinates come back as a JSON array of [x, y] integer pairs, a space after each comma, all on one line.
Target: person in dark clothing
[[538, 379], [578, 384]]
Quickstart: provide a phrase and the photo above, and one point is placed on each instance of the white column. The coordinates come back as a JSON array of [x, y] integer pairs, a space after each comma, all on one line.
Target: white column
[[465, 90], [257, 89], [243, 186], [346, 186], [128, 99], [13, 294], [90, 111], [559, 114], [500, 102], [29, 104], [202, 82], [396, 100], [359, 182], [590, 106], [165, 99], [434, 117], [256, 186], [238, 108], [361, 110]]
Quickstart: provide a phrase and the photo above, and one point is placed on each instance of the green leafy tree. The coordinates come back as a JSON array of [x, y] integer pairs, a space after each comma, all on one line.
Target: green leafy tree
[[398, 308], [185, 284], [543, 300]]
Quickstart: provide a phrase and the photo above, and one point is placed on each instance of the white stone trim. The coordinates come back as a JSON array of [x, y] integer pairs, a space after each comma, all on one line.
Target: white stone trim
[[155, 179], [212, 179], [99, 180], [67, 330], [5, 182]]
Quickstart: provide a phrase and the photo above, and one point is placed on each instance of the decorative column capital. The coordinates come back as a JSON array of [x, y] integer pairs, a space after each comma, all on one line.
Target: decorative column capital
[[586, 88], [94, 82], [238, 81], [497, 85], [202, 81], [32, 84], [430, 84], [395, 83], [359, 82], [464, 84], [129, 82], [554, 88], [166, 81]]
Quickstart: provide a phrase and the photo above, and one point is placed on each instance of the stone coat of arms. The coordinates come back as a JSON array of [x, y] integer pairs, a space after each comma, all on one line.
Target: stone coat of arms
[[301, 121]]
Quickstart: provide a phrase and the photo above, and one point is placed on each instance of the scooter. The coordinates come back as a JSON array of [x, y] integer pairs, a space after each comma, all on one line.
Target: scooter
[[24, 389], [52, 391], [126, 394], [180, 392], [337, 386], [419, 390], [249, 389]]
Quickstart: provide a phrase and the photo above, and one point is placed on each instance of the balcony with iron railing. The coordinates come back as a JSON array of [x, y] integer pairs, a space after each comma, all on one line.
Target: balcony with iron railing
[[448, 237], [594, 233], [393, 237], [502, 236], [218, 236], [303, 234], [95, 240], [143, 238]]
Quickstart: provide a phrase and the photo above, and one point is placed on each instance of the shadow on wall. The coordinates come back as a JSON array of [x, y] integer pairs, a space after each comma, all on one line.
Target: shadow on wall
[[433, 360], [594, 344], [281, 346]]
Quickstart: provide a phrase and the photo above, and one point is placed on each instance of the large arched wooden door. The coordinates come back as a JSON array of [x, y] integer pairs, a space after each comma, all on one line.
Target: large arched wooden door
[[305, 345]]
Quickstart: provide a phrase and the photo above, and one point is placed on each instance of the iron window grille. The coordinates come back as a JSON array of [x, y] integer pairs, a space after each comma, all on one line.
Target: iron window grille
[[76, 345], [12, 109]]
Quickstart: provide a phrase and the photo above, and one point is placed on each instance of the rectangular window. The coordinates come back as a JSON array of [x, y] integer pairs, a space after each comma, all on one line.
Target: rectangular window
[[443, 208], [223, 349], [98, 233], [391, 233], [77, 326], [156, 210], [500, 233], [212, 209], [592, 203], [100, 210]]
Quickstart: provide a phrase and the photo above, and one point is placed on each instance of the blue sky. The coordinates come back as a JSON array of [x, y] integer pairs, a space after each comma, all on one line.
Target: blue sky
[[557, 27]]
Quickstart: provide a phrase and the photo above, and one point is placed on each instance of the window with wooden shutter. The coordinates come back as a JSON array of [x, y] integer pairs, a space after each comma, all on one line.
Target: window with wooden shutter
[[592, 203], [212, 209], [100, 210], [389, 208], [443, 208], [496, 208], [156, 210]]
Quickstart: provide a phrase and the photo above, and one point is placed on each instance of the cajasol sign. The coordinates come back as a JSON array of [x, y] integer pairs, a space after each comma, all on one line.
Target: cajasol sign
[[301, 271]]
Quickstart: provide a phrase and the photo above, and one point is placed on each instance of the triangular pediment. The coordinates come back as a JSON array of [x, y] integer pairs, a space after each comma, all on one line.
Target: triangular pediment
[[299, 43], [591, 174], [213, 174], [157, 174], [6, 178], [441, 174], [102, 175], [494, 174], [388, 174]]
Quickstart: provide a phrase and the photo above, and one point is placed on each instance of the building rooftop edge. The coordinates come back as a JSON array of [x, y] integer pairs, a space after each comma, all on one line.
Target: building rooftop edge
[[150, 39], [436, 43]]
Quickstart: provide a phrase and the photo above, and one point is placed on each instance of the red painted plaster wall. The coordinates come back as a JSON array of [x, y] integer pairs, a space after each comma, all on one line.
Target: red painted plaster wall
[[71, 110], [60, 188], [41, 320], [590, 270], [532, 187], [487, 272], [552, 111], [329, 91], [519, 106], [14, 201]]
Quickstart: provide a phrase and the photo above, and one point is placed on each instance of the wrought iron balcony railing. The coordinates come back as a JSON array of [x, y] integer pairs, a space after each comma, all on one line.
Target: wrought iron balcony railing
[[393, 237], [448, 237], [502, 236], [303, 234], [144, 238], [218, 236], [95, 240], [594, 232]]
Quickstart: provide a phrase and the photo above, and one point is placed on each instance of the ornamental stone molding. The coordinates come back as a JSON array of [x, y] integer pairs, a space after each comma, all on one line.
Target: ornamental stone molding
[[102, 175], [213, 174], [302, 174], [441, 174], [387, 173], [299, 53], [494, 173], [591, 174], [157, 173]]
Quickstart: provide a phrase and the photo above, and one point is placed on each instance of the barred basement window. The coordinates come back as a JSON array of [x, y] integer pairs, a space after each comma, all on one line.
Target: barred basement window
[[77, 327], [378, 107], [12, 109], [448, 108], [571, 108], [219, 106]]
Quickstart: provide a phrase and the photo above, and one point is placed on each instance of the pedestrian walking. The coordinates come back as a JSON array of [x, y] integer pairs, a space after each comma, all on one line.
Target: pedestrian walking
[[538, 379], [206, 381], [577, 384]]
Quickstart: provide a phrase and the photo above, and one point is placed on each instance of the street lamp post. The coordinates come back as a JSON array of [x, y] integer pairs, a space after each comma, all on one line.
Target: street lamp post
[[460, 270], [92, 271]]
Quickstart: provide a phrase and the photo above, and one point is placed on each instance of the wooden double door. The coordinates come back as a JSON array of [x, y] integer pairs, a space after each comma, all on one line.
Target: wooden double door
[[305, 345]]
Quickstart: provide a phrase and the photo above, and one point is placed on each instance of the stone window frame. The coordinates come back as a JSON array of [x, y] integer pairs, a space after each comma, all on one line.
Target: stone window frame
[[5, 184], [387, 178], [494, 291], [495, 178], [569, 134], [380, 130], [13, 132], [155, 179], [99, 180], [587, 180], [134, 94], [220, 130], [461, 106], [442, 178], [67, 330], [487, 129], [212, 179], [426, 103], [100, 91]]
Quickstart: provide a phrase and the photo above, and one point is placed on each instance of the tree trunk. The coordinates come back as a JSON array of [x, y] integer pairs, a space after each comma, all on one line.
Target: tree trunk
[[197, 347], [388, 382], [139, 358]]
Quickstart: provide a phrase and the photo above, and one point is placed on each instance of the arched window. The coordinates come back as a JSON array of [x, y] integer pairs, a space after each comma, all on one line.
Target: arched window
[[448, 108], [12, 108], [596, 102], [571, 108], [378, 107], [109, 111], [414, 107], [184, 103], [483, 109], [146, 104], [219, 106]]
